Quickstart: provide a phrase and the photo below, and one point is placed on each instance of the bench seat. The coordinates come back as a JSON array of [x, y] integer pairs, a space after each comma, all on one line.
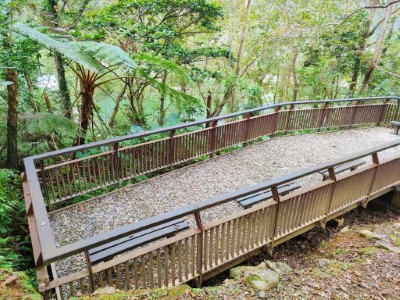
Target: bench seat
[[396, 126], [255, 198], [108, 251], [341, 168]]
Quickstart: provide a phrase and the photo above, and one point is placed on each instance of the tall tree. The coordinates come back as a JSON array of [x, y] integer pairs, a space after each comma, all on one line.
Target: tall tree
[[378, 46]]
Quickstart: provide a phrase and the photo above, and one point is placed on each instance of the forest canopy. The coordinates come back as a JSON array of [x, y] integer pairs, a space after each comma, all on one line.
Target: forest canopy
[[76, 71]]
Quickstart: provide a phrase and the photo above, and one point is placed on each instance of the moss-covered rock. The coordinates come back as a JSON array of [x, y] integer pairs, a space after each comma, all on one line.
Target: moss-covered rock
[[17, 285], [110, 293], [259, 277]]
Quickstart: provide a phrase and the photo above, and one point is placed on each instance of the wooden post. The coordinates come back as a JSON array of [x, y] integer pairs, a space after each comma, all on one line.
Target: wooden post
[[354, 112], [276, 120], [383, 112], [375, 161], [332, 176], [199, 224], [90, 270], [396, 116], [321, 116], [116, 162], [288, 116], [246, 129], [171, 148], [275, 197], [213, 141]]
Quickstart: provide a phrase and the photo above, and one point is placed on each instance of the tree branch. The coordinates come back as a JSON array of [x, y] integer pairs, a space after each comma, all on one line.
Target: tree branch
[[78, 16]]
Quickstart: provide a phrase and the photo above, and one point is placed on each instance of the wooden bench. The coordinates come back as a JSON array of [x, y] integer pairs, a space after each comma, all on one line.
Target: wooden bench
[[250, 200], [341, 168], [108, 251], [396, 126]]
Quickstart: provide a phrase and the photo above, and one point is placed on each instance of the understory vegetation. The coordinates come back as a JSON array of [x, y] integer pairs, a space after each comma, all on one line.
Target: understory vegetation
[[78, 71]]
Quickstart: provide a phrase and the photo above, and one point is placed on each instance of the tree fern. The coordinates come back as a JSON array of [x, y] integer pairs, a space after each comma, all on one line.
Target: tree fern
[[63, 48], [96, 57], [107, 55]]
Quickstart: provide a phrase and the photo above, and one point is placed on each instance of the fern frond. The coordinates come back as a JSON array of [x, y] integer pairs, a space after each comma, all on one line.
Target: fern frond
[[164, 88], [87, 61], [163, 64], [108, 55]]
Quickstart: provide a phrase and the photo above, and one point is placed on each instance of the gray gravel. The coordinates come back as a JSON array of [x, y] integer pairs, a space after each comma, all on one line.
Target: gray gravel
[[248, 166]]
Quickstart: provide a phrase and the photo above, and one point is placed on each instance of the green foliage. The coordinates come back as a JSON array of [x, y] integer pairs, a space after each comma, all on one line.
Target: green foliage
[[45, 132], [15, 247]]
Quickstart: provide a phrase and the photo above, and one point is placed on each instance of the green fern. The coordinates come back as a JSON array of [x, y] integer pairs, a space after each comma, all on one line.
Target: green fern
[[63, 48], [108, 55], [96, 57]]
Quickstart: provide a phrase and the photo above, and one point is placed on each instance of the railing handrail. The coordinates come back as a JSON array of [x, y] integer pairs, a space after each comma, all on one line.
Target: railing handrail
[[51, 254], [114, 140]]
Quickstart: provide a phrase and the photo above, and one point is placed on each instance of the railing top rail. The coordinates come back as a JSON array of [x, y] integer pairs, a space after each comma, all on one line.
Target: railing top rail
[[65, 151], [51, 254]]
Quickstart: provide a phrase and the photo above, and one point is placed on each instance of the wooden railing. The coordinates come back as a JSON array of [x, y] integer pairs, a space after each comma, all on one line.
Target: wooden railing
[[201, 252], [80, 170]]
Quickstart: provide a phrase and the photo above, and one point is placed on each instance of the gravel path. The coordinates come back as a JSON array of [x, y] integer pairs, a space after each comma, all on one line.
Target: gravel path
[[259, 162]]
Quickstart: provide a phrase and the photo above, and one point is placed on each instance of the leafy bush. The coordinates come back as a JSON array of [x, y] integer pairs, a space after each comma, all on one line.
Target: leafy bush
[[15, 247]]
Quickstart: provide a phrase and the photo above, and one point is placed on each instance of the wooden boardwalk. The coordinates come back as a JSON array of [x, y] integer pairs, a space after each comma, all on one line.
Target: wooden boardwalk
[[213, 244]]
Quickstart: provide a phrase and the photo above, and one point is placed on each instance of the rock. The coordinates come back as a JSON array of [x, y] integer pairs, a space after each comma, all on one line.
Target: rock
[[259, 277], [344, 229], [388, 246], [108, 290], [262, 294], [265, 284], [371, 235], [177, 291], [279, 267], [322, 262]]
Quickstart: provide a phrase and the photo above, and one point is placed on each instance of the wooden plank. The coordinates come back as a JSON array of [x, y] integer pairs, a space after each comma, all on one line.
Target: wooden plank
[[110, 250]]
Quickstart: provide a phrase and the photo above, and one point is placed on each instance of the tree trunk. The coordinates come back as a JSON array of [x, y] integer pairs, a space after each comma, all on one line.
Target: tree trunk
[[208, 105], [62, 81], [63, 87], [361, 49], [48, 102], [242, 37], [277, 82], [294, 73], [86, 109], [378, 48], [12, 119], [31, 99], [161, 119], [116, 108]]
